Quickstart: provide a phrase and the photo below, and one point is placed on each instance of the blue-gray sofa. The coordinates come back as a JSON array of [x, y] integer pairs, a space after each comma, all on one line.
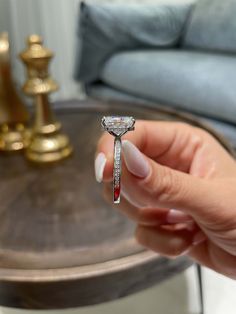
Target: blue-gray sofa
[[180, 55]]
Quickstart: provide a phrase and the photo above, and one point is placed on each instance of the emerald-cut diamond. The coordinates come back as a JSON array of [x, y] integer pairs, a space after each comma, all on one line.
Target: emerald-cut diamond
[[118, 126]]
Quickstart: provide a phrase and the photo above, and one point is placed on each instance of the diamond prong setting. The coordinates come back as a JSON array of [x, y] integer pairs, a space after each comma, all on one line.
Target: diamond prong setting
[[118, 126]]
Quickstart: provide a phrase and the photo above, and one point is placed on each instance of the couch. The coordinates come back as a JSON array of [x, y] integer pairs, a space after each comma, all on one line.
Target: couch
[[180, 55]]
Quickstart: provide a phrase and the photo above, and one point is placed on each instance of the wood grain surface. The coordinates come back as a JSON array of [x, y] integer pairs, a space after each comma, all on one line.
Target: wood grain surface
[[61, 244]]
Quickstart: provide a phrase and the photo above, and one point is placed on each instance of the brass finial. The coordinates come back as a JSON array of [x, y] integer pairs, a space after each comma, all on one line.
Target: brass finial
[[36, 58], [13, 113], [4, 47], [48, 144]]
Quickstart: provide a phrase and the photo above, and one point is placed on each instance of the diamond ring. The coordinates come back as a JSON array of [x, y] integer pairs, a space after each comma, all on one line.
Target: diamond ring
[[117, 126]]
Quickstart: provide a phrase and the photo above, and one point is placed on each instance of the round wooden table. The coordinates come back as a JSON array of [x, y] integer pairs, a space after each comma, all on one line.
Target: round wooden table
[[61, 244]]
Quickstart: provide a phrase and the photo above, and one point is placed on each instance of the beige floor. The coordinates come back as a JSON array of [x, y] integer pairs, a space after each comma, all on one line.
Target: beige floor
[[178, 295]]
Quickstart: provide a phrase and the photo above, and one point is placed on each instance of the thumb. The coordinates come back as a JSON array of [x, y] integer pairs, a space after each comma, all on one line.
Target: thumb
[[156, 185]]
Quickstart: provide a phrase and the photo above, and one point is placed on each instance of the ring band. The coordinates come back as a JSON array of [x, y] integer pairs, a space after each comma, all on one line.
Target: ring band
[[117, 126], [117, 170]]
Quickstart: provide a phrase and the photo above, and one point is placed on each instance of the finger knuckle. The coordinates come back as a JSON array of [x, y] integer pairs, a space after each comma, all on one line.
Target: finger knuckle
[[165, 185], [177, 247]]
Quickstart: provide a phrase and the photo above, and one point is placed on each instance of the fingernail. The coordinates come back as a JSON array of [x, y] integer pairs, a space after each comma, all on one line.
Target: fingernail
[[199, 238], [176, 216], [99, 164], [134, 160]]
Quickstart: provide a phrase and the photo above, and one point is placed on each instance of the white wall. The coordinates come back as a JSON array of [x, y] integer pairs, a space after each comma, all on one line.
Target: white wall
[[57, 22]]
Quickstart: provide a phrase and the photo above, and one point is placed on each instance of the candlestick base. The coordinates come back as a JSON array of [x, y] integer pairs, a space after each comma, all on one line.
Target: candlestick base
[[48, 148], [14, 138]]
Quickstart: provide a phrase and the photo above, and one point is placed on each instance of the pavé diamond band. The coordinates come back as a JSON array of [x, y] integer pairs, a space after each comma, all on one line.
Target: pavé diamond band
[[117, 126]]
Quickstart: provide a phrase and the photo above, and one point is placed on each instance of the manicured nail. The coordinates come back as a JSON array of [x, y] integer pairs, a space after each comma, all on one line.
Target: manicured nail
[[176, 216], [135, 160], [199, 238], [99, 164]]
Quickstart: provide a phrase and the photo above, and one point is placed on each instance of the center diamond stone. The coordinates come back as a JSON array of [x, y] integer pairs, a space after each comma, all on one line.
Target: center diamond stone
[[118, 125]]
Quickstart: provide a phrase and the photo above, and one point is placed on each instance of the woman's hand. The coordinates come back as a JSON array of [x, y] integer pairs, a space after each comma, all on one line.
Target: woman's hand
[[179, 186]]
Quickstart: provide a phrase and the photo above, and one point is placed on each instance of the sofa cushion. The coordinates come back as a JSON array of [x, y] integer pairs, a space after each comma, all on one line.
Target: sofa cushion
[[199, 82], [105, 28], [212, 25], [107, 93]]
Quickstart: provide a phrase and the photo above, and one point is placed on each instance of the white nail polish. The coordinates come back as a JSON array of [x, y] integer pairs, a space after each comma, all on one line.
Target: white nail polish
[[99, 164], [135, 161], [176, 216]]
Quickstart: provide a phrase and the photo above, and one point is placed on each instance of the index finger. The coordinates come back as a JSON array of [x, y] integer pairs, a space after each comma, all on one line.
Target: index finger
[[154, 138]]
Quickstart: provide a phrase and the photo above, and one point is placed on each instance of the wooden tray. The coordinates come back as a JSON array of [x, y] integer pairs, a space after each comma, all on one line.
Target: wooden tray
[[61, 245]]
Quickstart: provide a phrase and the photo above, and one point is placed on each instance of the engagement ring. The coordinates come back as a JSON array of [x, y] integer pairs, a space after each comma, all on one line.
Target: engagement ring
[[117, 126]]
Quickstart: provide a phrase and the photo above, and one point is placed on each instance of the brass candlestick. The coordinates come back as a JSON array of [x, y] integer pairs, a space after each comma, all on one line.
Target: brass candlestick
[[48, 143], [13, 114]]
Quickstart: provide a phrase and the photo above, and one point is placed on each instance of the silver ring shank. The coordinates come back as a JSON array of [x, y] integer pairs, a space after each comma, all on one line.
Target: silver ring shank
[[117, 170]]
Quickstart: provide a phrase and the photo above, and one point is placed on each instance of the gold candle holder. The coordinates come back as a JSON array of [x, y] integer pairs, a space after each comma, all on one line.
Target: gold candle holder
[[14, 135], [48, 143]]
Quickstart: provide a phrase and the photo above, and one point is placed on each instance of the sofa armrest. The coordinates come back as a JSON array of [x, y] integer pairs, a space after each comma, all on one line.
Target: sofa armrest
[[108, 28]]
